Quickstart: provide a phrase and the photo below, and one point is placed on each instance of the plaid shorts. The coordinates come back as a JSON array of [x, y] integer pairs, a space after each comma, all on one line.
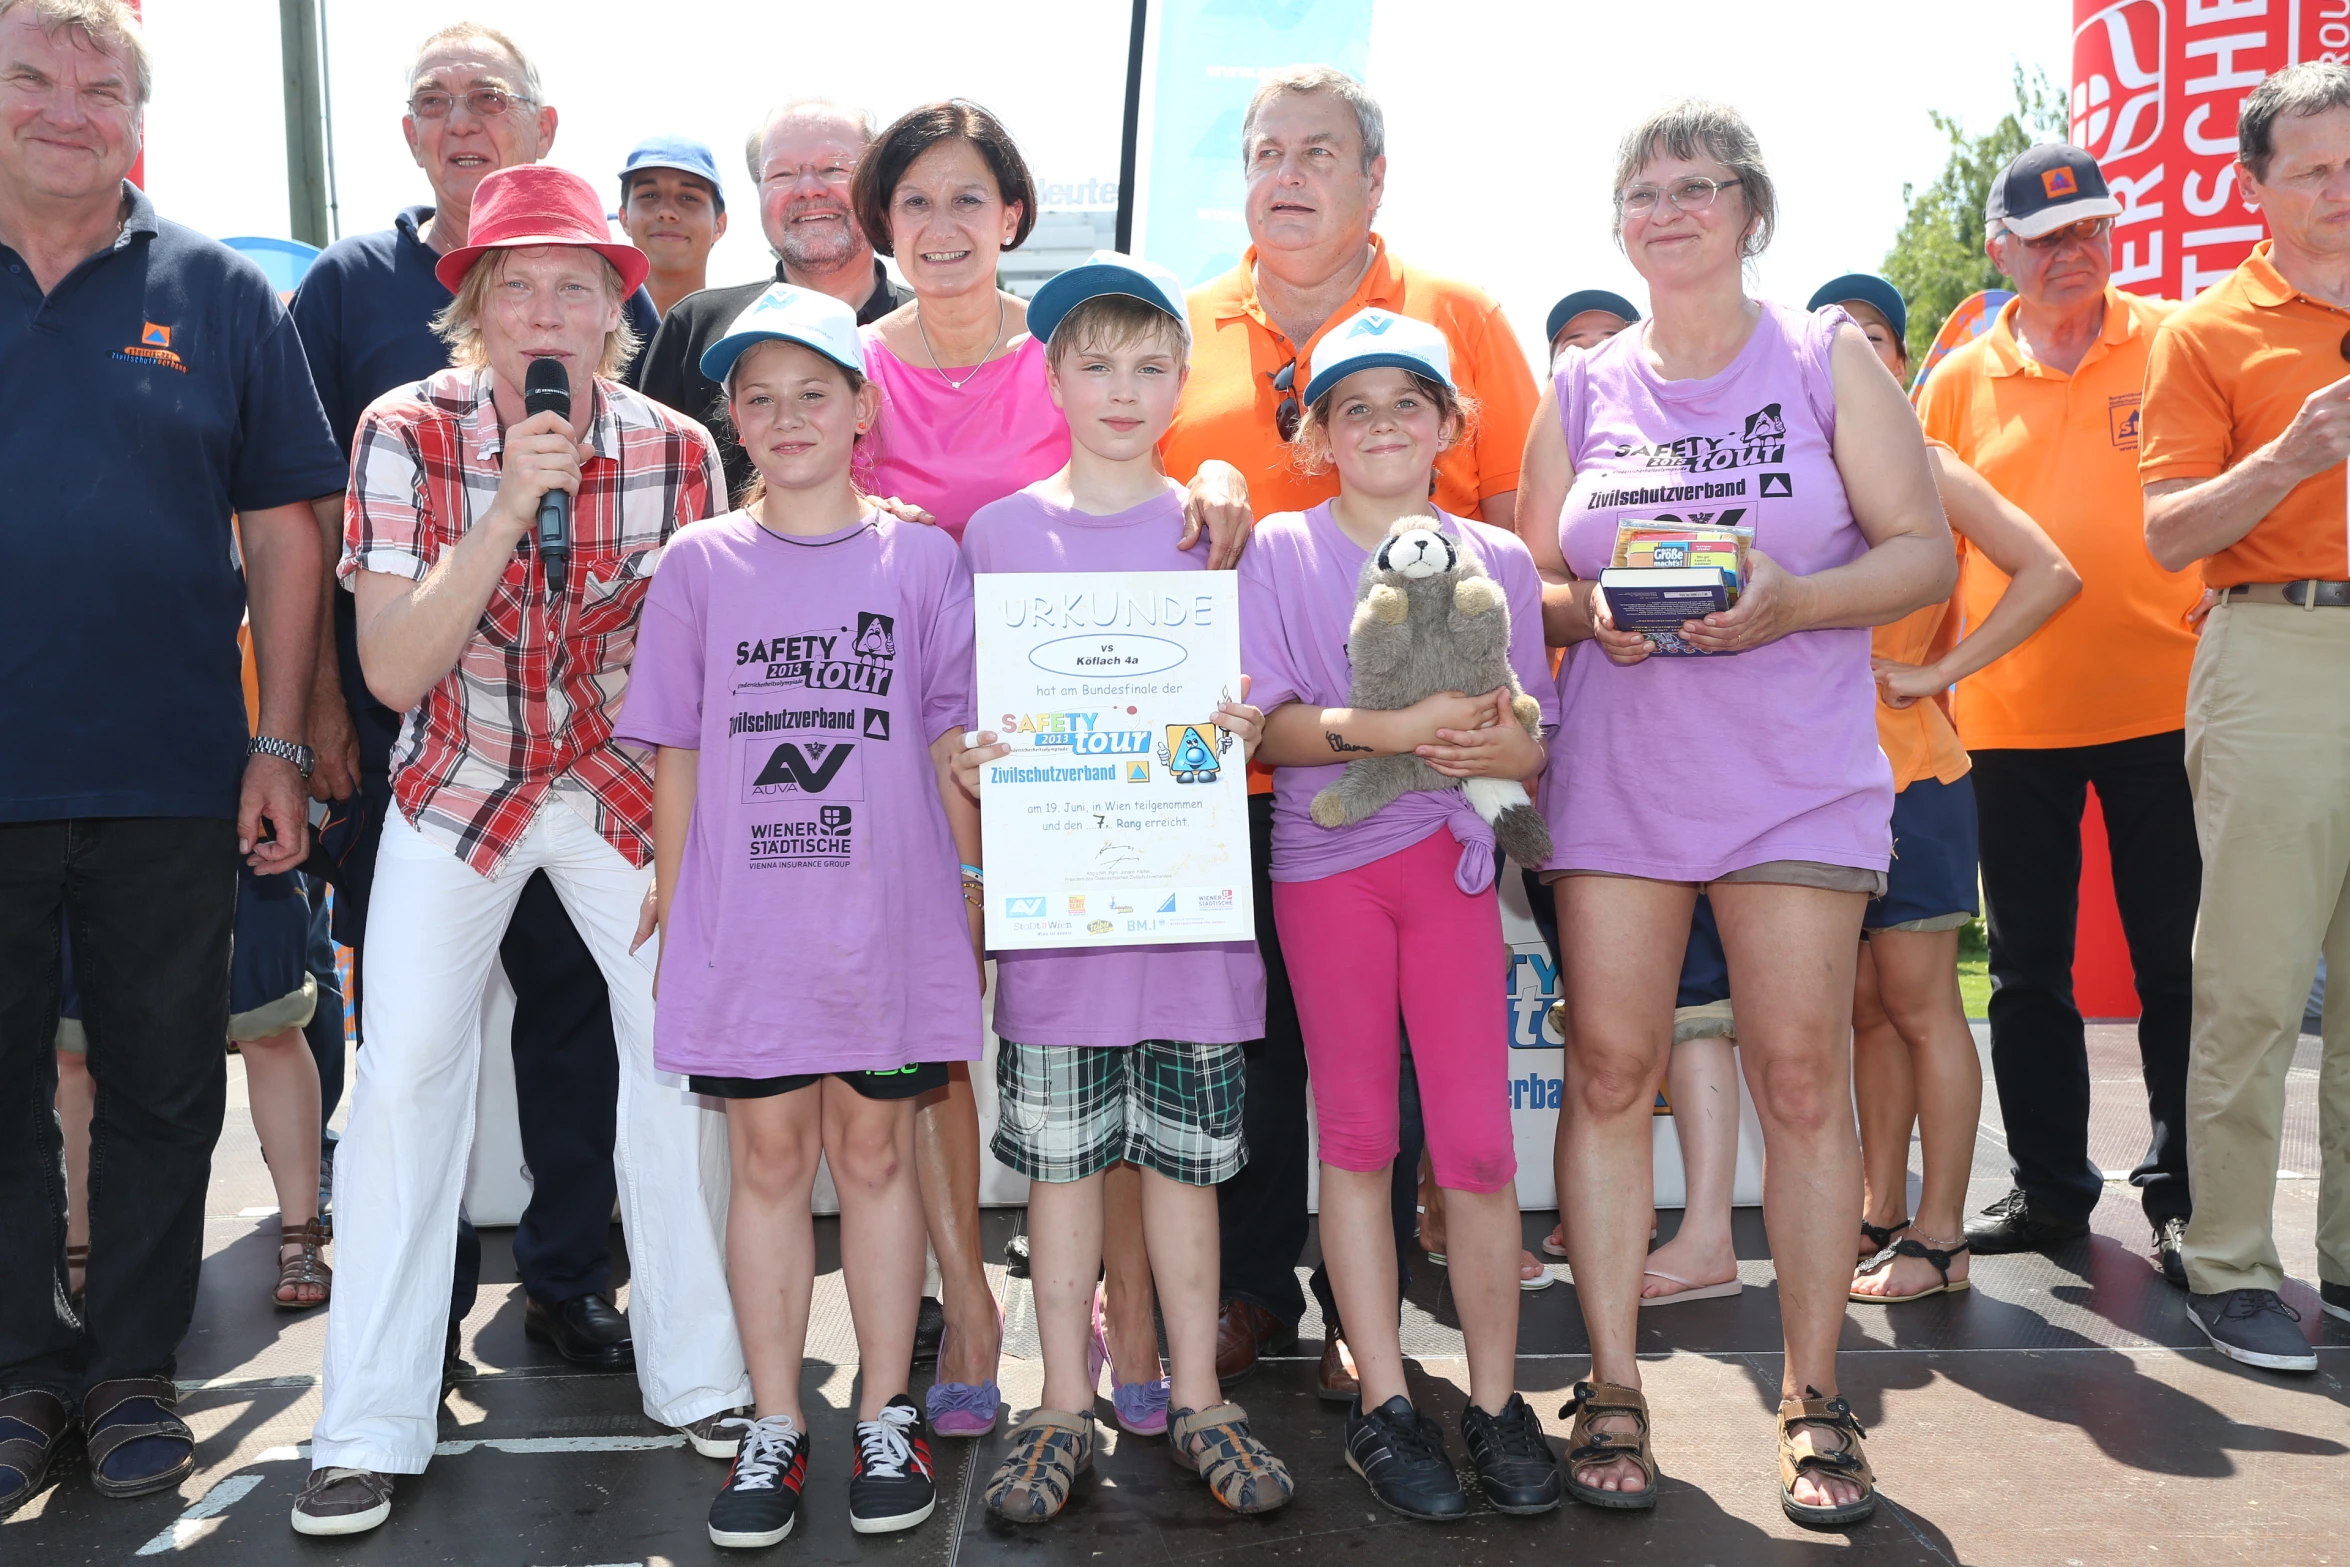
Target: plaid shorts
[[1070, 1111]]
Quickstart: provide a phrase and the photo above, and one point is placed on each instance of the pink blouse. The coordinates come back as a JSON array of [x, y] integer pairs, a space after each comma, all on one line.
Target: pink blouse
[[951, 451]]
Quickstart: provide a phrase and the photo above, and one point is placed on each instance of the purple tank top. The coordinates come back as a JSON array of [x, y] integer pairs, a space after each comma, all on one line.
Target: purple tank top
[[1684, 769]]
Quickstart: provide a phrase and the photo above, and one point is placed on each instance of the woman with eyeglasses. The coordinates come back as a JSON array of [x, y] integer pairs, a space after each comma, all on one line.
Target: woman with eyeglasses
[[1748, 769], [966, 418]]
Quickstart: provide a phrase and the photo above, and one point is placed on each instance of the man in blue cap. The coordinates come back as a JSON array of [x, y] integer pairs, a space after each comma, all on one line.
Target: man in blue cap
[[1585, 319], [674, 209]]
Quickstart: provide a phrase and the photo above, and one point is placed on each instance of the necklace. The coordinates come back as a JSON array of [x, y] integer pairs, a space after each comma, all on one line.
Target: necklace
[[863, 528], [954, 385]]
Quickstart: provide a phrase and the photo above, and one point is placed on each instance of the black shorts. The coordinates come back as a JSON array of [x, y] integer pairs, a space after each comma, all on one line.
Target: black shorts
[[907, 1082]]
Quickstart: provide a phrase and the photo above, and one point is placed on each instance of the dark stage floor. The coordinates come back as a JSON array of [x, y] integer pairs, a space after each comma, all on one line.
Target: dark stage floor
[[2064, 1412]]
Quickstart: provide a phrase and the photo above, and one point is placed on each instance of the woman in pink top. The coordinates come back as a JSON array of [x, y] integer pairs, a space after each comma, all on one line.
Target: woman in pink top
[[965, 420], [1756, 777]]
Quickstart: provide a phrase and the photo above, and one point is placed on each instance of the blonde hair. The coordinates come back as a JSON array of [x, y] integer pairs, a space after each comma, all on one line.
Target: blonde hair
[[459, 323], [1309, 449], [109, 26], [1694, 128]]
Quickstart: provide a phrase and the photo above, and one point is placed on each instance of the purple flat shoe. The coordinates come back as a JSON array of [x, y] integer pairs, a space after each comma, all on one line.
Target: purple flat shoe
[[1141, 1407], [961, 1408]]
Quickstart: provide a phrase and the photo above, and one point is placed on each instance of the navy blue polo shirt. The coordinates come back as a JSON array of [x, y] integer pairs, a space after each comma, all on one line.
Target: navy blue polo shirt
[[157, 390], [365, 312]]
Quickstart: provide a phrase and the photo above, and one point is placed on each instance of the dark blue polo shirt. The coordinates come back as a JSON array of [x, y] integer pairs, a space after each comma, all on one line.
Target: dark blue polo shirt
[[365, 312], [158, 389]]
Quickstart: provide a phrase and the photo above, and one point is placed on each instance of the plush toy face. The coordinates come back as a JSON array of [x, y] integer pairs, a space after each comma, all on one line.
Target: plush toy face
[[1417, 551]]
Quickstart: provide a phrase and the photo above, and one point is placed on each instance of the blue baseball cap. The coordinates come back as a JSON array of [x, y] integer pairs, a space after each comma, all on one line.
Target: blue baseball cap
[[1106, 272], [1872, 291], [1584, 299], [787, 313], [1378, 339], [673, 152]]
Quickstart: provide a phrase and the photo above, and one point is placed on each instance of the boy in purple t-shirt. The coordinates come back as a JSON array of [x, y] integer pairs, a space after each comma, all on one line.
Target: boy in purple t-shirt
[[1130, 1055], [804, 666]]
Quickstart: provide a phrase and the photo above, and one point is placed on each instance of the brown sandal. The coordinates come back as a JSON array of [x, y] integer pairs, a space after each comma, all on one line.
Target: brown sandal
[[306, 1269], [1597, 1400], [1850, 1461]]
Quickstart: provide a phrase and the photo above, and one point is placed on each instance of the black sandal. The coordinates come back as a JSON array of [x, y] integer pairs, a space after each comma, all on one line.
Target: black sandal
[[1881, 1235], [1910, 1247]]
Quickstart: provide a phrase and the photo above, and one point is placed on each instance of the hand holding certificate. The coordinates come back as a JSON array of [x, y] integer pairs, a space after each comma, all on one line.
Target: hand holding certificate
[[1120, 817]]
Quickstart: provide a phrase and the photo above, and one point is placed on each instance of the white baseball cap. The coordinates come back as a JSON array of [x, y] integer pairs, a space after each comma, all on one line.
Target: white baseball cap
[[1106, 272], [1375, 339], [787, 314]]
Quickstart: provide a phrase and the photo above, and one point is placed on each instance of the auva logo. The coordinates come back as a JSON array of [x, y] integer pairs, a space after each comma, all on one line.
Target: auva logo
[[1373, 325], [810, 770]]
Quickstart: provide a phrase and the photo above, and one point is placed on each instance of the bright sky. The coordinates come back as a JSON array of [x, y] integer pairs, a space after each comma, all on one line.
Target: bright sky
[[1502, 115]]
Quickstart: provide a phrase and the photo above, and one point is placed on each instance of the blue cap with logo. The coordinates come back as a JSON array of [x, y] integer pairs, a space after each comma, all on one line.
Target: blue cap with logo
[[673, 152], [1106, 272], [787, 313], [1872, 291], [1378, 339]]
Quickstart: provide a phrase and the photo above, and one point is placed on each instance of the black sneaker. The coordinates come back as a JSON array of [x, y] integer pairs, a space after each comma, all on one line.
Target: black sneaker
[[930, 1330], [2335, 1298], [1515, 1467], [761, 1498], [1401, 1453], [891, 1486], [2254, 1327], [2170, 1239], [2016, 1226], [1016, 1256]]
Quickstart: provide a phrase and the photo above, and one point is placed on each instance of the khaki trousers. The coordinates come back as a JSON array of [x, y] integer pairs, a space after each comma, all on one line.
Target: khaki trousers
[[2268, 756]]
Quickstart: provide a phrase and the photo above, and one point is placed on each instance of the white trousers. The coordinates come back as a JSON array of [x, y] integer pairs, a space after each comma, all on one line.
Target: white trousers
[[433, 928]]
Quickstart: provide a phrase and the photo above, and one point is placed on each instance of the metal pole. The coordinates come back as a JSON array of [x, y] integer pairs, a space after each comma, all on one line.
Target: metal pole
[[1130, 145], [305, 121]]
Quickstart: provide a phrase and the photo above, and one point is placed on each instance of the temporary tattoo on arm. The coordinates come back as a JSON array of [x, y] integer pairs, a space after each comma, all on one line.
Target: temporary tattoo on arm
[[1339, 743]]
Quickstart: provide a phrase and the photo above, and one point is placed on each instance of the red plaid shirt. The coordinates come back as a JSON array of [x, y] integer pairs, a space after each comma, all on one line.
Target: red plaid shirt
[[529, 708]]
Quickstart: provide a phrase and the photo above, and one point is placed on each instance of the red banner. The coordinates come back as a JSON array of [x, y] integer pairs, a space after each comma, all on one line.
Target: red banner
[[2156, 87]]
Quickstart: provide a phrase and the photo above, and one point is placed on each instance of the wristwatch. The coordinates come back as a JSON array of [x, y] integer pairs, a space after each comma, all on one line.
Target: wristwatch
[[303, 758]]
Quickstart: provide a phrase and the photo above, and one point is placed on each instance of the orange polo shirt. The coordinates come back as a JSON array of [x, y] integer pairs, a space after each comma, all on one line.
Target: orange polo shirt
[[2112, 664], [2229, 373], [1918, 739], [1229, 403]]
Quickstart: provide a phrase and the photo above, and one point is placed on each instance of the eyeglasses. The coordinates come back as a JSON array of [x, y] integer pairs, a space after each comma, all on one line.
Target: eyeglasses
[[1288, 412], [483, 103], [2086, 232], [1693, 194]]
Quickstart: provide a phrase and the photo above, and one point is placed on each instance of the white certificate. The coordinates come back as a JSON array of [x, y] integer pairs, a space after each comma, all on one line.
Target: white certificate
[[1121, 817]]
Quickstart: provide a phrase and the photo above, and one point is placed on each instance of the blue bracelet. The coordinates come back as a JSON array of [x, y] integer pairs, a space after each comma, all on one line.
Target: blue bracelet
[[975, 873]]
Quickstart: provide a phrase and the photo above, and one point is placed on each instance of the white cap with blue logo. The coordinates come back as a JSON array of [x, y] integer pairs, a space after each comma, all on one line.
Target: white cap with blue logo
[[789, 314], [1106, 272], [1378, 339]]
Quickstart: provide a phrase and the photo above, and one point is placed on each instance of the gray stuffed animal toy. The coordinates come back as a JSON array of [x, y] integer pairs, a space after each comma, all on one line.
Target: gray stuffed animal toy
[[1429, 618]]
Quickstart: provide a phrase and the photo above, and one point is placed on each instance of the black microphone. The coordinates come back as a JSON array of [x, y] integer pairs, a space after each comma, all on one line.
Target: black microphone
[[547, 389]]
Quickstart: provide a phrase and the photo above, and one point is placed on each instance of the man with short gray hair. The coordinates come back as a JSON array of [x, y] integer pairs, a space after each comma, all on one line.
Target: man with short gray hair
[[801, 159], [154, 392], [2247, 422]]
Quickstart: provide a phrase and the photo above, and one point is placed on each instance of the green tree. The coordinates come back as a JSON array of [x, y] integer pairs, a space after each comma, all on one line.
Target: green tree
[[1938, 258]]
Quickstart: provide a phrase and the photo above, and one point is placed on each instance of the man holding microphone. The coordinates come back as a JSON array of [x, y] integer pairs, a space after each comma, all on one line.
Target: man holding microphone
[[511, 662], [2246, 424]]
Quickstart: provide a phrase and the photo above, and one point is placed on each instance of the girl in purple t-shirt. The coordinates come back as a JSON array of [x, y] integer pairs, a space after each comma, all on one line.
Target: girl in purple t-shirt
[[804, 667], [1393, 920]]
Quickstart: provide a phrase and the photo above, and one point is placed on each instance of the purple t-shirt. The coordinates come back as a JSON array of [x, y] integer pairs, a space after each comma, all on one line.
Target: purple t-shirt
[[817, 924], [1208, 993], [1684, 769], [1297, 602], [951, 450]]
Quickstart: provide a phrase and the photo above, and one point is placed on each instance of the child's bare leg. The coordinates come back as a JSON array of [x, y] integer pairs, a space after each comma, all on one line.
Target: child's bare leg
[[771, 1240]]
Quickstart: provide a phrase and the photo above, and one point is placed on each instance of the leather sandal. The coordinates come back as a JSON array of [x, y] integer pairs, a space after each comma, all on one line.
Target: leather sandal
[[35, 1427], [137, 1413], [306, 1269], [1881, 1235], [1586, 1447], [1909, 1246], [1049, 1450], [1850, 1461], [1217, 1445]]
